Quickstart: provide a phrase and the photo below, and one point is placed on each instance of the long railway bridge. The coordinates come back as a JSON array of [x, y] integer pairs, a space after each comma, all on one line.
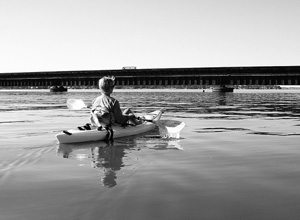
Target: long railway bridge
[[164, 77]]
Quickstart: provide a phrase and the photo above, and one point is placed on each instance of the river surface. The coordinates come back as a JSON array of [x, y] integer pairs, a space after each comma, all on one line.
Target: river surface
[[238, 158]]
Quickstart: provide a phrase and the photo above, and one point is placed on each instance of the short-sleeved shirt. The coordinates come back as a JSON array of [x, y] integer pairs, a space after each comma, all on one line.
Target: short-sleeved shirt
[[107, 104]]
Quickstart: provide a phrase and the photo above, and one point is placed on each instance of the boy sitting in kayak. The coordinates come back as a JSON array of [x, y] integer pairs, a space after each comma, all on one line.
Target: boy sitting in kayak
[[106, 110]]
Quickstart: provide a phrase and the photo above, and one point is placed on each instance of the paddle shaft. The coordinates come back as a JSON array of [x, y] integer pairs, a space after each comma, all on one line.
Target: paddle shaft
[[74, 107]]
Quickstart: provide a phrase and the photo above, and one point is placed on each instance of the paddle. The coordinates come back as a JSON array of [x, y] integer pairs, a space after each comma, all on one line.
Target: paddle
[[76, 104], [167, 132], [170, 132]]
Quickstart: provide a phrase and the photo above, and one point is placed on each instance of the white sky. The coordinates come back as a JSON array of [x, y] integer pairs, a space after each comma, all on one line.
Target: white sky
[[49, 35]]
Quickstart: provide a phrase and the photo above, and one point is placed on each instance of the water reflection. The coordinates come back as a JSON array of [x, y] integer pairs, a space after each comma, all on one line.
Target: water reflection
[[158, 143], [103, 156], [220, 97], [107, 157], [109, 161]]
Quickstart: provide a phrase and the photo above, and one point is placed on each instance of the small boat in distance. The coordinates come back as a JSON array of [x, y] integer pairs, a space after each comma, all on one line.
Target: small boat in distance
[[58, 89], [222, 88]]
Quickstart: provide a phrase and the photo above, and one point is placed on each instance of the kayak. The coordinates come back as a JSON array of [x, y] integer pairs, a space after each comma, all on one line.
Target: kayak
[[76, 135]]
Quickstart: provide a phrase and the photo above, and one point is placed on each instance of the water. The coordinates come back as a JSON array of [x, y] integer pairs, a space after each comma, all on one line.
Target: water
[[238, 158]]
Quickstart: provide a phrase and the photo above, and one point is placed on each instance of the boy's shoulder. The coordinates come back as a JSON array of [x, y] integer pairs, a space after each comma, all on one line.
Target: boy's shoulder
[[97, 98]]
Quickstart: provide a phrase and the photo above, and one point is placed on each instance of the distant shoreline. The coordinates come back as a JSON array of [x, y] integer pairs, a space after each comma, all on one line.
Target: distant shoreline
[[208, 90], [172, 88]]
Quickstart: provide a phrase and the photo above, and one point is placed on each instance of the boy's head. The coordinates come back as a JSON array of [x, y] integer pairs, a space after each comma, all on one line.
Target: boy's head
[[106, 84]]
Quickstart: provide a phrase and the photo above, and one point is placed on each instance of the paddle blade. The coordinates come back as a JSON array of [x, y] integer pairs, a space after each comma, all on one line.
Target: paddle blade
[[170, 132], [174, 132], [75, 104]]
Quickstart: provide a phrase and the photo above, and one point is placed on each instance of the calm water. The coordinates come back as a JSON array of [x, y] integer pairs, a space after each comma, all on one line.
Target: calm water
[[238, 158]]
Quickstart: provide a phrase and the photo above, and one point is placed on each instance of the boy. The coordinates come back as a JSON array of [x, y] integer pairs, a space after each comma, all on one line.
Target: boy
[[106, 110]]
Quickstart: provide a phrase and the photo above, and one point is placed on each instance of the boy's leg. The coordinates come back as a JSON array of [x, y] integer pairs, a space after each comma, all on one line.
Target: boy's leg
[[133, 119], [94, 120], [127, 111]]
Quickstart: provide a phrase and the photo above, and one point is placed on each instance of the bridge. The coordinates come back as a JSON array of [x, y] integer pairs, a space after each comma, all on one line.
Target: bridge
[[163, 77]]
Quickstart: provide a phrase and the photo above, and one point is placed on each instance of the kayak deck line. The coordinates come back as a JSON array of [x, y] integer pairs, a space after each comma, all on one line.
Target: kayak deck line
[[66, 132]]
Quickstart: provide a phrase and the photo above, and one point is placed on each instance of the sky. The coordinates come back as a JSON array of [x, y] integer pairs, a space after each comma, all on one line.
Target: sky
[[58, 35]]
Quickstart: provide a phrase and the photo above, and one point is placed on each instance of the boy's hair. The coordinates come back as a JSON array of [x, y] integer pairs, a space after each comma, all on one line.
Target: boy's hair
[[106, 83]]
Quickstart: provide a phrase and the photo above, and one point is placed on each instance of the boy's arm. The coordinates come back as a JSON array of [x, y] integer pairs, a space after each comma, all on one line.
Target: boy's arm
[[119, 117]]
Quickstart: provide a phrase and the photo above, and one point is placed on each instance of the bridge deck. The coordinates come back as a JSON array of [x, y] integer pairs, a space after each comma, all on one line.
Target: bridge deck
[[280, 75]]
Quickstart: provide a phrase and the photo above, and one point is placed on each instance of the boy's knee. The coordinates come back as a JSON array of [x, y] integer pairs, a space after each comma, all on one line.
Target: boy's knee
[[127, 111], [94, 120]]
